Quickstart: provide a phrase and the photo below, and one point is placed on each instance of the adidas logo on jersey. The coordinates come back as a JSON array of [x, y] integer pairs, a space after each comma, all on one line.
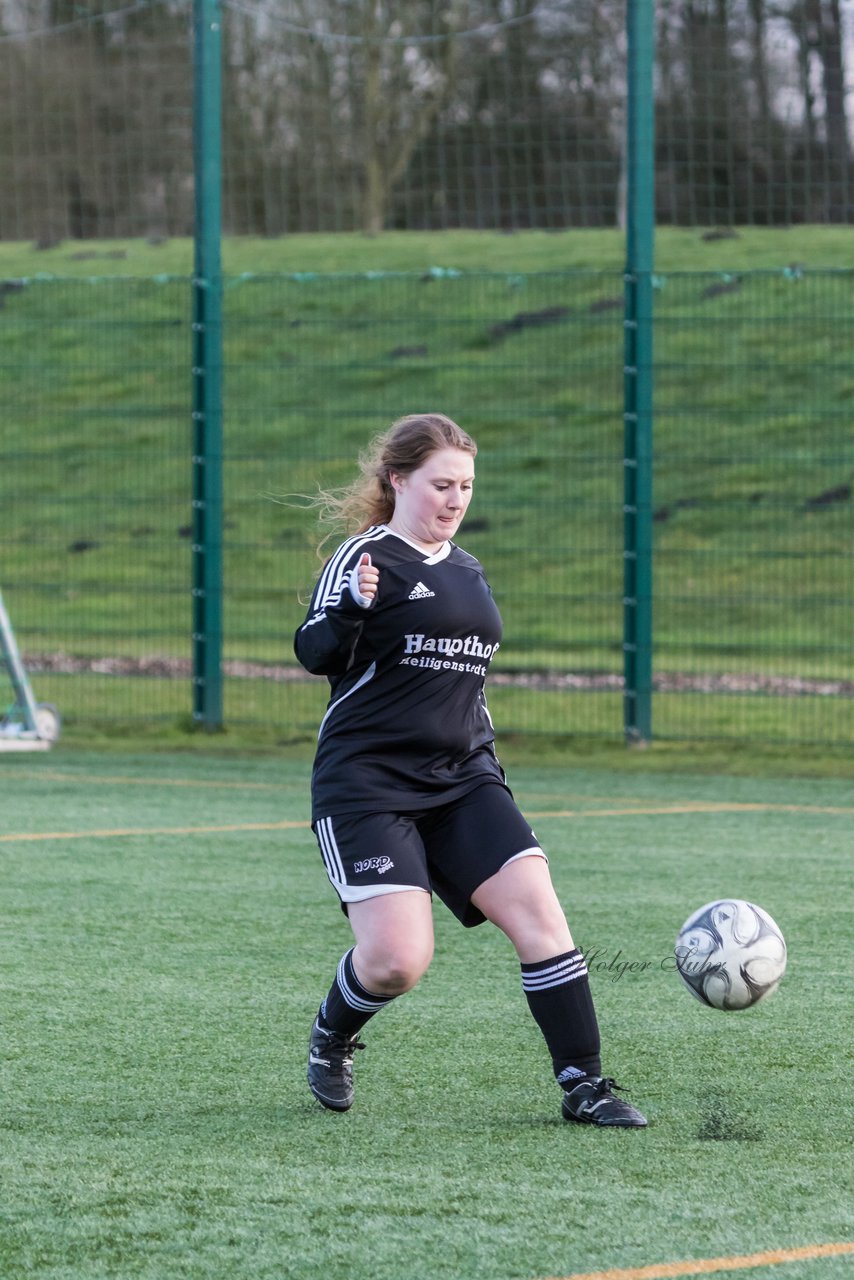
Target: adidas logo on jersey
[[420, 592]]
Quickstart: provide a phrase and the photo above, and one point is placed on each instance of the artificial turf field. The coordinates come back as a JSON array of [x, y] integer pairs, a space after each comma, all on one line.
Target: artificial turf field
[[168, 932]]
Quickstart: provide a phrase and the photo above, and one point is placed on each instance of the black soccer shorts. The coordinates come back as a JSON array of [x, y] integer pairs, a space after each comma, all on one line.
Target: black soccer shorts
[[449, 850]]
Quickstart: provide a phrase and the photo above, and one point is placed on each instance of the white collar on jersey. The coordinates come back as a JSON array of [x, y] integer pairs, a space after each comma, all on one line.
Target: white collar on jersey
[[435, 558]]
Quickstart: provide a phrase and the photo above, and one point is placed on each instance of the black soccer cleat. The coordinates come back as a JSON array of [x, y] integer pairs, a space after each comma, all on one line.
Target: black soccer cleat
[[330, 1067], [593, 1102]]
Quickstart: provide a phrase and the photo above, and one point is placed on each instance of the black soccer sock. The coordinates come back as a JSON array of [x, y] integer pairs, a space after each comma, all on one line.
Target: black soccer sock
[[348, 1006], [558, 994]]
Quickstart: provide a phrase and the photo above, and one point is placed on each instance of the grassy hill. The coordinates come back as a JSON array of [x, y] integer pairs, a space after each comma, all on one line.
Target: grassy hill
[[677, 249], [328, 339]]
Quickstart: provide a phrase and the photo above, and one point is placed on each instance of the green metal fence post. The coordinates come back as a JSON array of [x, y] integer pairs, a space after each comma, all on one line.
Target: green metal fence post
[[637, 383], [207, 368]]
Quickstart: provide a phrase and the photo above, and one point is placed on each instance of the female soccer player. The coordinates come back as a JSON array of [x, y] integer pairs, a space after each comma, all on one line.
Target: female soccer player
[[408, 797]]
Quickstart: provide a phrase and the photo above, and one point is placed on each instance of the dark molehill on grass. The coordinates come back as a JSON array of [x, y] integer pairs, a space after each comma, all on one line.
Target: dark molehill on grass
[[528, 320], [721, 1123]]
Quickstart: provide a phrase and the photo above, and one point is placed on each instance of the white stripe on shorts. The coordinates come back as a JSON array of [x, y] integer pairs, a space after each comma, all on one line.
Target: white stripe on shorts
[[534, 852], [362, 893], [329, 852]]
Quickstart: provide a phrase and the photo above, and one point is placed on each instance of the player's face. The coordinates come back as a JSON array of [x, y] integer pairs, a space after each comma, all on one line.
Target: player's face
[[431, 502]]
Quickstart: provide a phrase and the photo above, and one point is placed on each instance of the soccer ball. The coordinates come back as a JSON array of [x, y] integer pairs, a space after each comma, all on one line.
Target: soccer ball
[[730, 954]]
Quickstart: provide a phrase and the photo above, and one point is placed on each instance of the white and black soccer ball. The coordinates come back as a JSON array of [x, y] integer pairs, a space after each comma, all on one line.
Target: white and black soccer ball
[[730, 954]]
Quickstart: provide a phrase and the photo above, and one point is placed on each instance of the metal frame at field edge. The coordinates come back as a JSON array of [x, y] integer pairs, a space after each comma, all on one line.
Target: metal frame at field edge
[[638, 376], [27, 725]]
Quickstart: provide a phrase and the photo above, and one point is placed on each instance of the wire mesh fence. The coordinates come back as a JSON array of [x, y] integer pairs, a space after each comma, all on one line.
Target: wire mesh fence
[[501, 114], [754, 461], [753, 509], [483, 114]]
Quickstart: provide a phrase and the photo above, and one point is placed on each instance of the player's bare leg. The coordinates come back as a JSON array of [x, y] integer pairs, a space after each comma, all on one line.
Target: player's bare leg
[[394, 940]]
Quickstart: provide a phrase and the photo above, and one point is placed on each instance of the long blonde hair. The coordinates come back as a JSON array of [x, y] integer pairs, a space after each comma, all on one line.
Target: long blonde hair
[[400, 450]]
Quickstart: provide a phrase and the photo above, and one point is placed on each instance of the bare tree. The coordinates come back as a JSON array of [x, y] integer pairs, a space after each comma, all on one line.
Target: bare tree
[[336, 97], [759, 65], [818, 31], [831, 53], [400, 90]]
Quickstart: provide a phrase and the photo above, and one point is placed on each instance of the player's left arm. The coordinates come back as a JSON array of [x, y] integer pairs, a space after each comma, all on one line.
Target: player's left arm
[[326, 641]]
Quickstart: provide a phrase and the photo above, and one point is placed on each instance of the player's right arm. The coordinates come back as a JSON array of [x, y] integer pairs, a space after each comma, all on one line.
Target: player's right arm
[[326, 642]]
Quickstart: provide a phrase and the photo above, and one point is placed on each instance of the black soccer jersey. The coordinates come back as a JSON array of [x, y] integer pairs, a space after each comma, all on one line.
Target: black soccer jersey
[[407, 725]]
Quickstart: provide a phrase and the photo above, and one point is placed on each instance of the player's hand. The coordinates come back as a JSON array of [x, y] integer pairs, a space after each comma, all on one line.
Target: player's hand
[[368, 578]]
